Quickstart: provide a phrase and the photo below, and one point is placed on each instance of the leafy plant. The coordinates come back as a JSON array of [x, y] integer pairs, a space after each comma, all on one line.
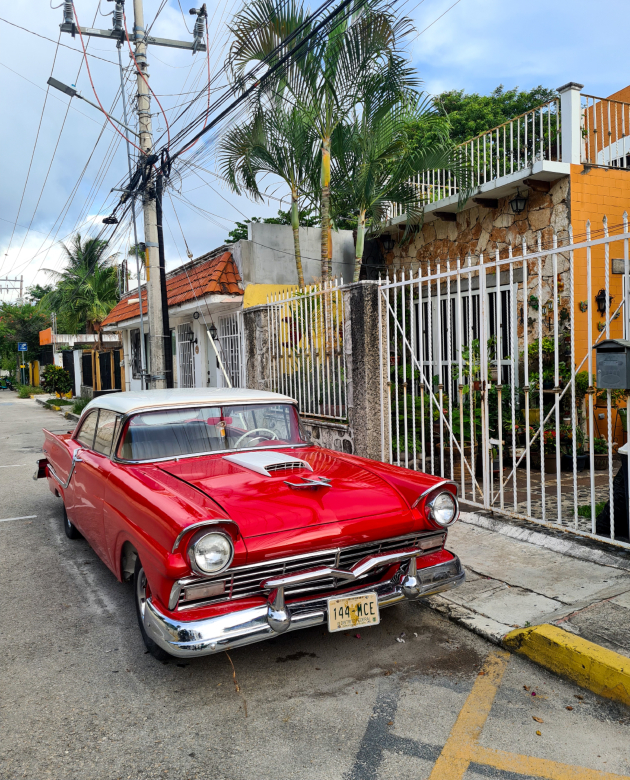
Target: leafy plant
[[56, 380], [79, 405], [600, 446]]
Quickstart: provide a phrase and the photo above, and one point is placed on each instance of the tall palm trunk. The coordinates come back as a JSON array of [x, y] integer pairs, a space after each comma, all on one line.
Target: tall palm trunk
[[295, 224], [358, 254], [325, 240]]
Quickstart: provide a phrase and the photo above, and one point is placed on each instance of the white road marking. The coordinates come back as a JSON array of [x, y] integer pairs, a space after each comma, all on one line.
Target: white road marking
[[14, 466], [26, 517]]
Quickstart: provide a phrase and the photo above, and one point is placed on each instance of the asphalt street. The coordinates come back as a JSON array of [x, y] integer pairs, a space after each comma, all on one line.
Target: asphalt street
[[415, 697]]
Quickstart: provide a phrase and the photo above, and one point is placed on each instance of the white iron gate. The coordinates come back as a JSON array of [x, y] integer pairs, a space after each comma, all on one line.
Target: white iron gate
[[306, 355], [491, 374]]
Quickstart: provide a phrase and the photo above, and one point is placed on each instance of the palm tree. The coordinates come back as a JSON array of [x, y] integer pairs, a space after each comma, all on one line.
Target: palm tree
[[278, 141], [374, 162], [87, 289], [331, 72]]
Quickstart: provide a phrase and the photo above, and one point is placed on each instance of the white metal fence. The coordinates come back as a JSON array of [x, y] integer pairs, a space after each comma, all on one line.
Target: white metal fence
[[492, 379], [506, 149], [306, 355], [605, 126], [230, 338]]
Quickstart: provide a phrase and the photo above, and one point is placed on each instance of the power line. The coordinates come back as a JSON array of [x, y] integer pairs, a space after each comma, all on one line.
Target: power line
[[436, 20], [28, 173], [52, 40]]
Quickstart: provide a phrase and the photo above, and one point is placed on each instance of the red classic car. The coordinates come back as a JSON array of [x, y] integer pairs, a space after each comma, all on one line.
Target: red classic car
[[234, 527]]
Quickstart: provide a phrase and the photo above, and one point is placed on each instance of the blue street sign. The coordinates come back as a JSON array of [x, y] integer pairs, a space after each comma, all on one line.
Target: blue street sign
[[22, 346]]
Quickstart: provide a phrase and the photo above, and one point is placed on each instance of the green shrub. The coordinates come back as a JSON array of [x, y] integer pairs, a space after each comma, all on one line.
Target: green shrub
[[56, 380], [79, 405], [26, 391], [585, 509]]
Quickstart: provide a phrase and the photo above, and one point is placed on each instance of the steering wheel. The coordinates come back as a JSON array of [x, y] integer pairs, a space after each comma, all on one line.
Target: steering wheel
[[255, 430]]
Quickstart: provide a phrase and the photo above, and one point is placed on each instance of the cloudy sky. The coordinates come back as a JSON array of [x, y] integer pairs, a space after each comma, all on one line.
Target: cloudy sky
[[77, 159]]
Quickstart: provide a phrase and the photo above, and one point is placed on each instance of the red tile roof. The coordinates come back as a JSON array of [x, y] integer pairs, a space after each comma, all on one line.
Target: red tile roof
[[217, 275]]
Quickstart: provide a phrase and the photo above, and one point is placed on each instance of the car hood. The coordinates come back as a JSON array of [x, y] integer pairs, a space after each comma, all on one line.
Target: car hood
[[263, 504]]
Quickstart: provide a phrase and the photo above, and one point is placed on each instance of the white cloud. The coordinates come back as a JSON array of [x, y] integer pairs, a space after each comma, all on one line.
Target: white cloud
[[475, 46]]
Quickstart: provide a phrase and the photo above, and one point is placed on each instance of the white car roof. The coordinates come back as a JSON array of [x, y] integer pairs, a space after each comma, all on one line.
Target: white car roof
[[124, 403]]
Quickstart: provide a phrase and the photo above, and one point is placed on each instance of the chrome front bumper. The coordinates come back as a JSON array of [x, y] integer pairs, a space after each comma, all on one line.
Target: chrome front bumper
[[189, 639]]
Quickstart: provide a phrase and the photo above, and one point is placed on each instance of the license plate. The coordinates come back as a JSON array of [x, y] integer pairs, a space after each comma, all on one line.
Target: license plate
[[352, 612]]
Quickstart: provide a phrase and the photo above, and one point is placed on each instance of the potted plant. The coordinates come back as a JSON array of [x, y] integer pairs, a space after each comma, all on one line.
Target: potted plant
[[600, 450], [548, 379], [57, 380], [581, 457]]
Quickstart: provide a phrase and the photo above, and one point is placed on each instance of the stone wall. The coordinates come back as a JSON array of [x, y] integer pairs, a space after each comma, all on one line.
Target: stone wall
[[480, 229]]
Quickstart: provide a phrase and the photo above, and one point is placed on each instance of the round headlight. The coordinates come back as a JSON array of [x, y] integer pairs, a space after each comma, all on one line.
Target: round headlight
[[443, 509], [210, 553]]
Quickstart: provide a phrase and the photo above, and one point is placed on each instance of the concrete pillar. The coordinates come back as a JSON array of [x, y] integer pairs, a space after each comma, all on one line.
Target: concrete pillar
[[570, 121], [364, 367], [256, 353]]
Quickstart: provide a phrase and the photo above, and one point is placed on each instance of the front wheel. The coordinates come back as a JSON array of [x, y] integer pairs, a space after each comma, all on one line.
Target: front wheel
[[72, 532], [142, 592]]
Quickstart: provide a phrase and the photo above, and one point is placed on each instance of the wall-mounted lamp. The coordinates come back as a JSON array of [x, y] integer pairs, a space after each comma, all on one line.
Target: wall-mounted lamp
[[191, 337], [388, 242], [518, 202], [212, 330], [600, 300]]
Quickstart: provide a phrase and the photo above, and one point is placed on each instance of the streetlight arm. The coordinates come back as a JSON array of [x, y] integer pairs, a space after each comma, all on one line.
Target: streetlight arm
[[73, 92]]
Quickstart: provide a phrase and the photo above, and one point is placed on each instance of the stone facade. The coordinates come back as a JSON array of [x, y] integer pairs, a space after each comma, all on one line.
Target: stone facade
[[483, 230]]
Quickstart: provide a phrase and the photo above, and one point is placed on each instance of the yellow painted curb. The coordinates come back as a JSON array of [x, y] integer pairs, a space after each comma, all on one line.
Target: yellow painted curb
[[600, 670]]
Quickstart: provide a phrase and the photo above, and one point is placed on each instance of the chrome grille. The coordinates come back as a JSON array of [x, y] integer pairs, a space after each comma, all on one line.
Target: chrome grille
[[244, 581]]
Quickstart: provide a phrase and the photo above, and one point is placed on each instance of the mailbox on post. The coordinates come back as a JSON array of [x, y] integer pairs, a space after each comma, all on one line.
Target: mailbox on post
[[613, 364]]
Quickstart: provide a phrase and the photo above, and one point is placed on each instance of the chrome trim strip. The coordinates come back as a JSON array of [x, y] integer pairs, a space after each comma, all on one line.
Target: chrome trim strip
[[435, 487], [75, 460], [193, 638], [201, 523]]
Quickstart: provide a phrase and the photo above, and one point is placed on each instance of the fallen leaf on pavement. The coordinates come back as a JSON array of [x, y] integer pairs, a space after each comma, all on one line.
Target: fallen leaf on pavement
[[390, 722], [526, 687], [539, 734], [538, 720], [576, 696]]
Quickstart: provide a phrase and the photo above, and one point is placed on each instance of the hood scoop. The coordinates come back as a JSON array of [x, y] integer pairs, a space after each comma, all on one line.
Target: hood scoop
[[268, 463]]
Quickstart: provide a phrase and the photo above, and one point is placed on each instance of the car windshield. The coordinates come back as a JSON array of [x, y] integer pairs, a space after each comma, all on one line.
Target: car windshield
[[172, 433]]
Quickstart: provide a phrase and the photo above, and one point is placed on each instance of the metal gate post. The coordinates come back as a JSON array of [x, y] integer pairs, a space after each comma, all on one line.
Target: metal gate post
[[483, 366]]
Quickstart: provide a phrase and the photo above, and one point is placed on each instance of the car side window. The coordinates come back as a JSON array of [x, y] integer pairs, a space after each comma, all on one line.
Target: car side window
[[105, 430], [86, 432]]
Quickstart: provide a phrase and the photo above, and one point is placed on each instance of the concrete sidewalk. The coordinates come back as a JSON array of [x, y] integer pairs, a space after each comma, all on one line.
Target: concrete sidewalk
[[519, 577]]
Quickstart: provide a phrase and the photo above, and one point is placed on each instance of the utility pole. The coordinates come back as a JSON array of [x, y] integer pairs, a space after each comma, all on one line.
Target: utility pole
[[154, 293], [159, 335]]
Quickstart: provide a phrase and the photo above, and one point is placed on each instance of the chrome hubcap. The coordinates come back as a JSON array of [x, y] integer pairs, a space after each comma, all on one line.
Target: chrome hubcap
[[141, 591]]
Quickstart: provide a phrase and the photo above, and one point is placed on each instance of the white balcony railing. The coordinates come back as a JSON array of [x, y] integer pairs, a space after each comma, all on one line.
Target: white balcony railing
[[506, 149], [605, 131]]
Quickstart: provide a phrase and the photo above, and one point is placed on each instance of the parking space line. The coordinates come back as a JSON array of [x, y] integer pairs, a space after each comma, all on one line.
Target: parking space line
[[26, 517], [456, 754], [462, 747], [14, 466], [538, 767]]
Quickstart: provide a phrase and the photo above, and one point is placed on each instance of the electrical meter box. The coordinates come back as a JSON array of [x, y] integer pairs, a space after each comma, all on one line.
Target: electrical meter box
[[613, 364]]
